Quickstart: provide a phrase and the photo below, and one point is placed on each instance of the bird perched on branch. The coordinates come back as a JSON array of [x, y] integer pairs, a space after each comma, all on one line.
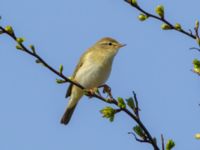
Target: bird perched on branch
[[92, 71]]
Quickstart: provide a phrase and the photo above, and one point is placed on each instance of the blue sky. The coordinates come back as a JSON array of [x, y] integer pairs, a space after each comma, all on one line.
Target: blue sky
[[155, 64]]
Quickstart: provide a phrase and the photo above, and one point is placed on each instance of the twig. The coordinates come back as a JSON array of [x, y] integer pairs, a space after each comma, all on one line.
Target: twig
[[118, 110], [137, 139], [194, 48], [42, 60], [137, 109], [163, 142], [162, 19]]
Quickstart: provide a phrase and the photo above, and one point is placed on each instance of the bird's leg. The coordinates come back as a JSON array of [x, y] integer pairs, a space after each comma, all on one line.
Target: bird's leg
[[91, 92], [106, 89]]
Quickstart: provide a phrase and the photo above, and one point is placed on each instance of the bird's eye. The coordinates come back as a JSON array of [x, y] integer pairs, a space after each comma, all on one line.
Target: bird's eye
[[110, 43]]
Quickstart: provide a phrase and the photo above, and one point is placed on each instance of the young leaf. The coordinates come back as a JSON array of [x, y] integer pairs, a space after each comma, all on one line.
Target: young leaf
[[198, 41], [138, 130], [177, 26], [121, 103], [197, 136], [20, 40], [19, 47], [196, 67], [165, 26], [130, 103], [59, 81], [32, 47], [134, 2], [61, 69], [142, 17], [170, 144], [160, 10], [108, 112], [9, 29], [196, 24]]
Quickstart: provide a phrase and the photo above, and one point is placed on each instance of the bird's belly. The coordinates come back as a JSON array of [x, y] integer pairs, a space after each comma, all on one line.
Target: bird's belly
[[92, 75]]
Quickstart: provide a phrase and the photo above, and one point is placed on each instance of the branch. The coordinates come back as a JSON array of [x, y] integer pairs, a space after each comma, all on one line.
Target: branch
[[137, 109], [162, 19], [38, 58], [163, 142], [148, 138], [137, 139], [169, 26], [194, 48]]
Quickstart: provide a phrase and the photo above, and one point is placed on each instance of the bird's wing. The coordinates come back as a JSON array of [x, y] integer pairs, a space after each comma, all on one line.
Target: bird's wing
[[71, 85], [78, 66]]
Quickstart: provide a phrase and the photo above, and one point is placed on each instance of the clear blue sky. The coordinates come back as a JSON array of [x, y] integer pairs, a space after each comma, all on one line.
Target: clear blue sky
[[155, 63]]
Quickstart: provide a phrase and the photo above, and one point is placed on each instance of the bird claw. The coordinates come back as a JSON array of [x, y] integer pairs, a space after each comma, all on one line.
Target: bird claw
[[106, 88], [91, 92]]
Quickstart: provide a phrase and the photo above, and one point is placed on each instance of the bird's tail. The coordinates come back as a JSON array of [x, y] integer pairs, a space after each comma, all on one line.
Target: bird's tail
[[67, 115]]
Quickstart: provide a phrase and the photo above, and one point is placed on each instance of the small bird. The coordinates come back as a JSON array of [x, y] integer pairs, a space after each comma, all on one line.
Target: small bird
[[92, 71]]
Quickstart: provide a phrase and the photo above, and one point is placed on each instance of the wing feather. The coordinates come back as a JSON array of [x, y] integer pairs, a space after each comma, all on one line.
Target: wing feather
[[78, 66]]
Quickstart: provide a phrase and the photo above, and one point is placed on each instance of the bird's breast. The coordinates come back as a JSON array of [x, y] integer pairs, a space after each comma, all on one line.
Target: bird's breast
[[93, 73]]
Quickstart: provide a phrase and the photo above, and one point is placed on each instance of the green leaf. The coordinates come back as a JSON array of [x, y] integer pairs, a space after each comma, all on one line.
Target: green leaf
[[196, 63], [197, 70], [32, 47], [198, 41], [9, 29], [20, 40], [59, 81], [160, 10], [134, 2], [138, 130], [165, 26], [130, 103], [19, 47], [108, 112], [177, 26], [170, 144], [142, 17], [196, 67], [196, 24], [61, 69], [121, 103], [197, 136]]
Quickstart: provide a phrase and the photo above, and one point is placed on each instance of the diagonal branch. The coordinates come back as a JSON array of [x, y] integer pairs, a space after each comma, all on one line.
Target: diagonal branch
[[40, 59], [111, 100]]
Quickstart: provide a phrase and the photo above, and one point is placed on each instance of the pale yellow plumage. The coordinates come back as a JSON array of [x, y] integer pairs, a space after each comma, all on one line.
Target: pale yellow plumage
[[93, 70]]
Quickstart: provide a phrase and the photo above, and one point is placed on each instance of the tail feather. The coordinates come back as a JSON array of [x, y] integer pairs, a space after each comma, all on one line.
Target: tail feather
[[67, 115]]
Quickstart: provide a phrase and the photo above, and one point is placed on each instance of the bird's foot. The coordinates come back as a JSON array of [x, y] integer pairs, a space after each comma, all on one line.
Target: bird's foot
[[91, 92], [106, 88]]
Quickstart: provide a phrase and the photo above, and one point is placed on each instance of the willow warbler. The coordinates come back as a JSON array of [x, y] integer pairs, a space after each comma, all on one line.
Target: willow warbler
[[93, 70]]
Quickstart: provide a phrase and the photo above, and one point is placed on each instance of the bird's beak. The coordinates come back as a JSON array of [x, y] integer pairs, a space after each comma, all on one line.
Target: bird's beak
[[122, 45]]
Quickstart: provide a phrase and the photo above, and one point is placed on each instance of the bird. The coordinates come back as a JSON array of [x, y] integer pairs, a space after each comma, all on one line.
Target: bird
[[92, 71]]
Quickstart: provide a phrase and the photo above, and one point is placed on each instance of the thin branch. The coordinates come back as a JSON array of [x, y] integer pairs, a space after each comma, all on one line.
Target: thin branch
[[137, 109], [137, 139], [163, 142], [194, 48], [143, 127], [42, 60], [111, 100], [162, 19], [118, 110]]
